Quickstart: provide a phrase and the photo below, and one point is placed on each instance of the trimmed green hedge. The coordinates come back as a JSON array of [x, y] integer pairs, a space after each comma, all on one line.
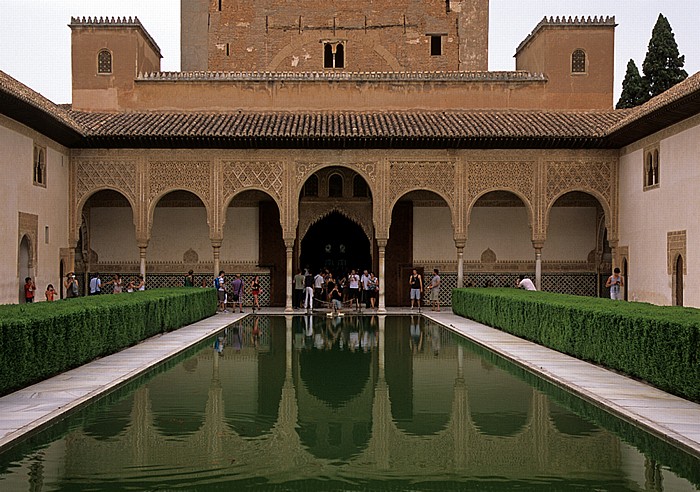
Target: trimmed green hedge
[[43, 339], [658, 344]]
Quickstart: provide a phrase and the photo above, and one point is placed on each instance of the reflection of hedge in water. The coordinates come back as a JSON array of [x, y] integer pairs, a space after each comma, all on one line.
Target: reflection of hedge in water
[[681, 463], [335, 376]]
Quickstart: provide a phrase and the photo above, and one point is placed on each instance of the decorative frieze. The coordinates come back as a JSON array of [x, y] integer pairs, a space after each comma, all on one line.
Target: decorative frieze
[[194, 176], [97, 174], [406, 176], [264, 175]]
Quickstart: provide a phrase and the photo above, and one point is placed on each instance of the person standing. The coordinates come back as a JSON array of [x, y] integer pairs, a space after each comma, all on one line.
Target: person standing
[[435, 291], [373, 289], [237, 291], [354, 284], [416, 283], [615, 283], [29, 289], [309, 291], [525, 283], [318, 285], [255, 291], [220, 284], [364, 280], [189, 279], [298, 289], [71, 285], [95, 285]]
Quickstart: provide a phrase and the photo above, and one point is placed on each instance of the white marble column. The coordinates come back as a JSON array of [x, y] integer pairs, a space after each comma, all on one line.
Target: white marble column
[[142, 258], [459, 244], [381, 244], [538, 264], [216, 248], [288, 307]]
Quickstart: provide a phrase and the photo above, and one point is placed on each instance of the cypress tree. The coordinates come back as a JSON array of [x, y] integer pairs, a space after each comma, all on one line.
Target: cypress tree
[[634, 90], [663, 65]]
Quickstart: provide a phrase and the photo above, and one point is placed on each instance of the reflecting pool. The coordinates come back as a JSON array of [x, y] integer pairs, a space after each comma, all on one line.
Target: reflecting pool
[[351, 403]]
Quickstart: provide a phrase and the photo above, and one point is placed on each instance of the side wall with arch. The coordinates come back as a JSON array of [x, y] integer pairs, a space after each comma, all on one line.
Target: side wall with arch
[[659, 222], [38, 211]]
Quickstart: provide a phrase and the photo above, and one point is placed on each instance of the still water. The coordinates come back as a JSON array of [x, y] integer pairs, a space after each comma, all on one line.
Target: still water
[[353, 403]]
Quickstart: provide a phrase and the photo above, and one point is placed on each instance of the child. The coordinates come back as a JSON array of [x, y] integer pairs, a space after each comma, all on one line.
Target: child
[[29, 289], [50, 293]]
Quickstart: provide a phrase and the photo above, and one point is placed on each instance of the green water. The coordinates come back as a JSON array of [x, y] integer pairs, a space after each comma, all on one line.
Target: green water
[[360, 403]]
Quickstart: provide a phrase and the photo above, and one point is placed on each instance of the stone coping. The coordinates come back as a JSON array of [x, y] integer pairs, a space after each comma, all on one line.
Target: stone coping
[[668, 417]]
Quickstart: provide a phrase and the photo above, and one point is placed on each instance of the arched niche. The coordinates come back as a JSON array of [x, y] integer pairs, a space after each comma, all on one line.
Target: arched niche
[[24, 264], [499, 230], [178, 225], [108, 233]]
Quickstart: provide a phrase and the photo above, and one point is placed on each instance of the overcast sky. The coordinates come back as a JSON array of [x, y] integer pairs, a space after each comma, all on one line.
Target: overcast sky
[[35, 38]]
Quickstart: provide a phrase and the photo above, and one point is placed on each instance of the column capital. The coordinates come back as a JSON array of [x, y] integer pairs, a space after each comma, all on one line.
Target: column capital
[[381, 241], [538, 244], [289, 242], [216, 243]]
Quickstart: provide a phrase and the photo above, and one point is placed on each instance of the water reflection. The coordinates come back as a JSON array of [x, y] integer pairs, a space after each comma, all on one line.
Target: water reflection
[[353, 402]]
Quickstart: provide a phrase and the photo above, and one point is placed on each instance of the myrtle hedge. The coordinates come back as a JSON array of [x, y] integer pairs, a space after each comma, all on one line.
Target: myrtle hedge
[[43, 339], [658, 344]]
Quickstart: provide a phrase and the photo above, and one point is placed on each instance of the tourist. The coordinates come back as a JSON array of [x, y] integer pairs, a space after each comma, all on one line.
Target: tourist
[[50, 293], [416, 283], [116, 283], [71, 285], [298, 289], [318, 285], [614, 283], [525, 283], [95, 285], [220, 285], [336, 299], [373, 289], [237, 290], [435, 291], [354, 285], [309, 291], [29, 289], [255, 291], [364, 280], [140, 283], [189, 279]]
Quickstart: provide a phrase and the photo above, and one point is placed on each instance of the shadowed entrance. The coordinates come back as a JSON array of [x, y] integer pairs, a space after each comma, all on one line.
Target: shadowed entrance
[[337, 243]]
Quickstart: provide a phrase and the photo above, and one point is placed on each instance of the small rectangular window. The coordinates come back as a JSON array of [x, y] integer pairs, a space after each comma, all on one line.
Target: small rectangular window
[[220, 5], [46, 234], [435, 45]]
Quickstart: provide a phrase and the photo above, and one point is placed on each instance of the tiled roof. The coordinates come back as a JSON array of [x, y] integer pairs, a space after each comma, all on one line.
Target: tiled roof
[[357, 126], [690, 87], [12, 88]]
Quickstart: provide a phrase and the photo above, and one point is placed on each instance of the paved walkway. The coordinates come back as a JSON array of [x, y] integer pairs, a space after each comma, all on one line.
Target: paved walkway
[[671, 418]]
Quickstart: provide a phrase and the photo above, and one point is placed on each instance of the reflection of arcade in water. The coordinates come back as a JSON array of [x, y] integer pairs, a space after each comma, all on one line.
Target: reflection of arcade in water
[[289, 399]]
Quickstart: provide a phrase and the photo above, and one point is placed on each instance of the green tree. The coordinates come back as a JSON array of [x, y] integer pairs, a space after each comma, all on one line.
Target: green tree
[[663, 65], [634, 90]]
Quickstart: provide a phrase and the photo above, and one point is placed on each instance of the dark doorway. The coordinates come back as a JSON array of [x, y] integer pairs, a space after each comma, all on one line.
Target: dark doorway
[[678, 274], [337, 243]]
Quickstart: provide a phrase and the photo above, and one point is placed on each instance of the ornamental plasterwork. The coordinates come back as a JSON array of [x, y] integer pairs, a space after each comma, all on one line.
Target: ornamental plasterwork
[[367, 170], [435, 176], [194, 176], [507, 176], [266, 175], [313, 212], [570, 176], [98, 174]]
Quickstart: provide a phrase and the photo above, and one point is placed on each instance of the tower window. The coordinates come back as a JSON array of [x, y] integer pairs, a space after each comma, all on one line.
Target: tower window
[[435, 45], [333, 55], [335, 186], [104, 62], [39, 173], [578, 61], [311, 186]]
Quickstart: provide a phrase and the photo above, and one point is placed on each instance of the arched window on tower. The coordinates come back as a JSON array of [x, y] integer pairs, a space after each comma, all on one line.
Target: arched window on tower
[[104, 61], [311, 186], [656, 167], [578, 61], [651, 166], [335, 186], [333, 55]]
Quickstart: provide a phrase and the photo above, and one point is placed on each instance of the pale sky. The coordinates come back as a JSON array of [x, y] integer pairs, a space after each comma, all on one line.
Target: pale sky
[[35, 38]]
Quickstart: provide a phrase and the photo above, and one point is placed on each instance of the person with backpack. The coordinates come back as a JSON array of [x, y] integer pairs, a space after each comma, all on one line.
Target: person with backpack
[[220, 285]]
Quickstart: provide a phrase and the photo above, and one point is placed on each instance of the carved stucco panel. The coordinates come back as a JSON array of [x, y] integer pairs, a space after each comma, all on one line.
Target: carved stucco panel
[[513, 176], [266, 175], [193, 176], [405, 176], [95, 174], [360, 213]]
